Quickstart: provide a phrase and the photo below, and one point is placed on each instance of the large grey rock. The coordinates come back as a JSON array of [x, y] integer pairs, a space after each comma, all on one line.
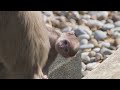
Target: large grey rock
[[108, 69], [66, 68]]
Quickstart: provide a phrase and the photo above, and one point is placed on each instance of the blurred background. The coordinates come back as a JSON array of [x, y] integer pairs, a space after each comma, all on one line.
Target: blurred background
[[98, 33]]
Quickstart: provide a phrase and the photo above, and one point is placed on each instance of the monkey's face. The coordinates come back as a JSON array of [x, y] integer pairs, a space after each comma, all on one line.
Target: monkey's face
[[67, 45]]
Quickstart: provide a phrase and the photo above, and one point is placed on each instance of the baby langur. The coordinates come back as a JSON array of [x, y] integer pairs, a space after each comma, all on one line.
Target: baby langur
[[66, 44]]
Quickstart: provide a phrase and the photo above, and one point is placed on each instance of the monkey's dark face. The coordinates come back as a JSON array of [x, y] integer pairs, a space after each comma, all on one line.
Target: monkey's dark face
[[67, 45]]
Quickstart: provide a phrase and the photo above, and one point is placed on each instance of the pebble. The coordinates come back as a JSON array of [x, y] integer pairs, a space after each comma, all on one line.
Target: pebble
[[92, 54], [92, 59], [117, 24], [85, 29], [94, 41], [115, 17], [117, 41], [83, 41], [83, 66], [86, 46], [102, 15], [85, 58], [48, 13], [105, 44], [116, 29], [109, 21], [77, 15], [96, 49], [98, 57], [79, 31], [107, 26], [118, 46], [116, 35], [94, 23], [66, 29], [91, 66], [85, 16], [100, 35], [84, 36], [105, 51]]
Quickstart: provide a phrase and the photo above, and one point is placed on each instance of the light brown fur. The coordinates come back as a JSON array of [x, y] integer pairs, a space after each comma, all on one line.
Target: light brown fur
[[24, 44]]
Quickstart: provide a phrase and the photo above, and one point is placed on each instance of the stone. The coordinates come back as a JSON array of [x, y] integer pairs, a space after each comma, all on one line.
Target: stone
[[108, 69], [98, 57], [92, 54], [83, 66], [85, 58], [107, 26], [66, 69], [100, 35], [91, 66], [84, 36], [86, 46], [105, 44], [96, 49], [105, 51], [94, 23], [117, 24], [83, 41]]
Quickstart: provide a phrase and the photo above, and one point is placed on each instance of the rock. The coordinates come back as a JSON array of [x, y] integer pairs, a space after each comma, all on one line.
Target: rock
[[84, 36], [82, 21], [110, 40], [105, 44], [92, 59], [91, 66], [100, 35], [117, 41], [116, 17], [94, 41], [107, 26], [102, 15], [92, 54], [48, 13], [98, 57], [66, 69], [96, 49], [83, 12], [79, 31], [117, 24], [83, 66], [67, 29], [116, 29], [85, 58], [84, 29], [76, 14], [109, 21], [83, 41], [108, 69], [84, 73], [61, 18], [94, 23], [105, 51], [86, 16], [86, 46], [87, 50], [116, 34]]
